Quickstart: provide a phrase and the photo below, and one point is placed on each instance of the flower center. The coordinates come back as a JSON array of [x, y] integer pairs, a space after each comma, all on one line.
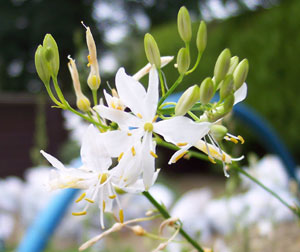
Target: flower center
[[148, 126]]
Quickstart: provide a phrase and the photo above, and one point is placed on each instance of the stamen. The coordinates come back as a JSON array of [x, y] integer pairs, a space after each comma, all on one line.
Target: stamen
[[80, 197], [120, 156], [103, 206], [155, 118], [234, 140], [121, 215], [102, 177], [223, 157], [180, 156], [113, 105], [79, 213], [83, 25], [129, 134], [211, 160], [112, 196], [153, 154], [89, 200], [181, 144], [133, 151], [90, 60], [225, 169], [241, 139], [139, 115]]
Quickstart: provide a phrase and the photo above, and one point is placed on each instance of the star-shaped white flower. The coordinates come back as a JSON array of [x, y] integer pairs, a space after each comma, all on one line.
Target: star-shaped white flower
[[141, 121]]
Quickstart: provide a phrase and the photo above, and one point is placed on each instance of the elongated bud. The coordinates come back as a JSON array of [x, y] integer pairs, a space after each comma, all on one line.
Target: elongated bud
[[187, 100], [201, 37], [83, 103], [183, 60], [222, 65], [184, 24], [226, 87], [218, 132], [234, 61], [228, 103], [240, 73], [51, 54], [41, 65], [152, 51], [206, 90]]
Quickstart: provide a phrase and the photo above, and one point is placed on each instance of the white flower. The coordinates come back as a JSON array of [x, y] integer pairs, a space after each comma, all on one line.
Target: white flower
[[179, 130]]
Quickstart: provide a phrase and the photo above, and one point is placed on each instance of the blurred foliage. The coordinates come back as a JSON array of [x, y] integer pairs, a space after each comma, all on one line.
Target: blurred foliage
[[270, 40], [23, 26]]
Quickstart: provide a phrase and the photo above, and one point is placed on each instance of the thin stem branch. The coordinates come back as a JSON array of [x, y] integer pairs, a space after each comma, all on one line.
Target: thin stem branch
[[196, 64], [166, 215], [162, 85], [95, 97]]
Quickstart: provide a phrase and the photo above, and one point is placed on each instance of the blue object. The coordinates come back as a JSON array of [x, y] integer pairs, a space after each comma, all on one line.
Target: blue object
[[39, 233]]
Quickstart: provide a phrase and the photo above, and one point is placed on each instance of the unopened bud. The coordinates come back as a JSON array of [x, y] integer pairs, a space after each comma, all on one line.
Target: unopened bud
[[94, 81], [240, 74], [201, 37], [51, 54], [234, 61], [218, 132], [222, 65], [138, 230], [226, 87], [206, 90], [228, 103], [152, 51], [183, 60], [184, 24], [187, 100], [41, 66], [83, 103]]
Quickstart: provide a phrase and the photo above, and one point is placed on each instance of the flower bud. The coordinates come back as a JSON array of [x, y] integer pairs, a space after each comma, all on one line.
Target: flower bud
[[183, 60], [222, 65], [187, 100], [234, 61], [41, 65], [184, 24], [228, 103], [83, 103], [206, 90], [51, 54], [138, 230], [201, 37], [218, 132], [152, 51], [226, 87], [240, 73]]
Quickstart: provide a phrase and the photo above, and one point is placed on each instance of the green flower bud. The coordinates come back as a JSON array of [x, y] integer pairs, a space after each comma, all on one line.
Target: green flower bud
[[226, 87], [41, 65], [51, 54], [152, 51], [240, 73], [228, 103], [234, 61], [218, 132], [187, 100], [201, 37], [206, 90], [83, 103], [222, 65], [183, 60], [184, 24]]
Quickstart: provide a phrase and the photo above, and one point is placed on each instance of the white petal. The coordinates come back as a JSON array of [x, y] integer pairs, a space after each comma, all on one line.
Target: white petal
[[181, 129], [178, 153], [108, 97], [122, 118], [94, 155], [53, 161], [131, 92], [151, 99], [240, 94]]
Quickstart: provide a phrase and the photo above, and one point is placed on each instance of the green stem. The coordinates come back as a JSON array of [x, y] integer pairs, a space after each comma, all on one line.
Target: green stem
[[58, 91], [162, 85], [171, 90], [196, 64], [242, 171], [95, 97], [166, 215], [52, 96]]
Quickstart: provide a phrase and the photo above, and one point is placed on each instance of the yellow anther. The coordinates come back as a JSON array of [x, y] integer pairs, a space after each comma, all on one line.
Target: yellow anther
[[119, 108], [120, 156], [79, 213], [103, 206], [112, 196], [181, 144], [155, 118], [153, 154], [241, 139], [129, 134], [211, 160], [89, 200], [180, 156], [113, 105], [234, 140], [80, 197], [102, 177], [139, 115], [90, 61], [133, 151], [114, 93], [224, 157], [121, 214]]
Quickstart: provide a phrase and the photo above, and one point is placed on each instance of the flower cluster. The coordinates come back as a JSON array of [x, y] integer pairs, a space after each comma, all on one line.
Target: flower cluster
[[118, 150]]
